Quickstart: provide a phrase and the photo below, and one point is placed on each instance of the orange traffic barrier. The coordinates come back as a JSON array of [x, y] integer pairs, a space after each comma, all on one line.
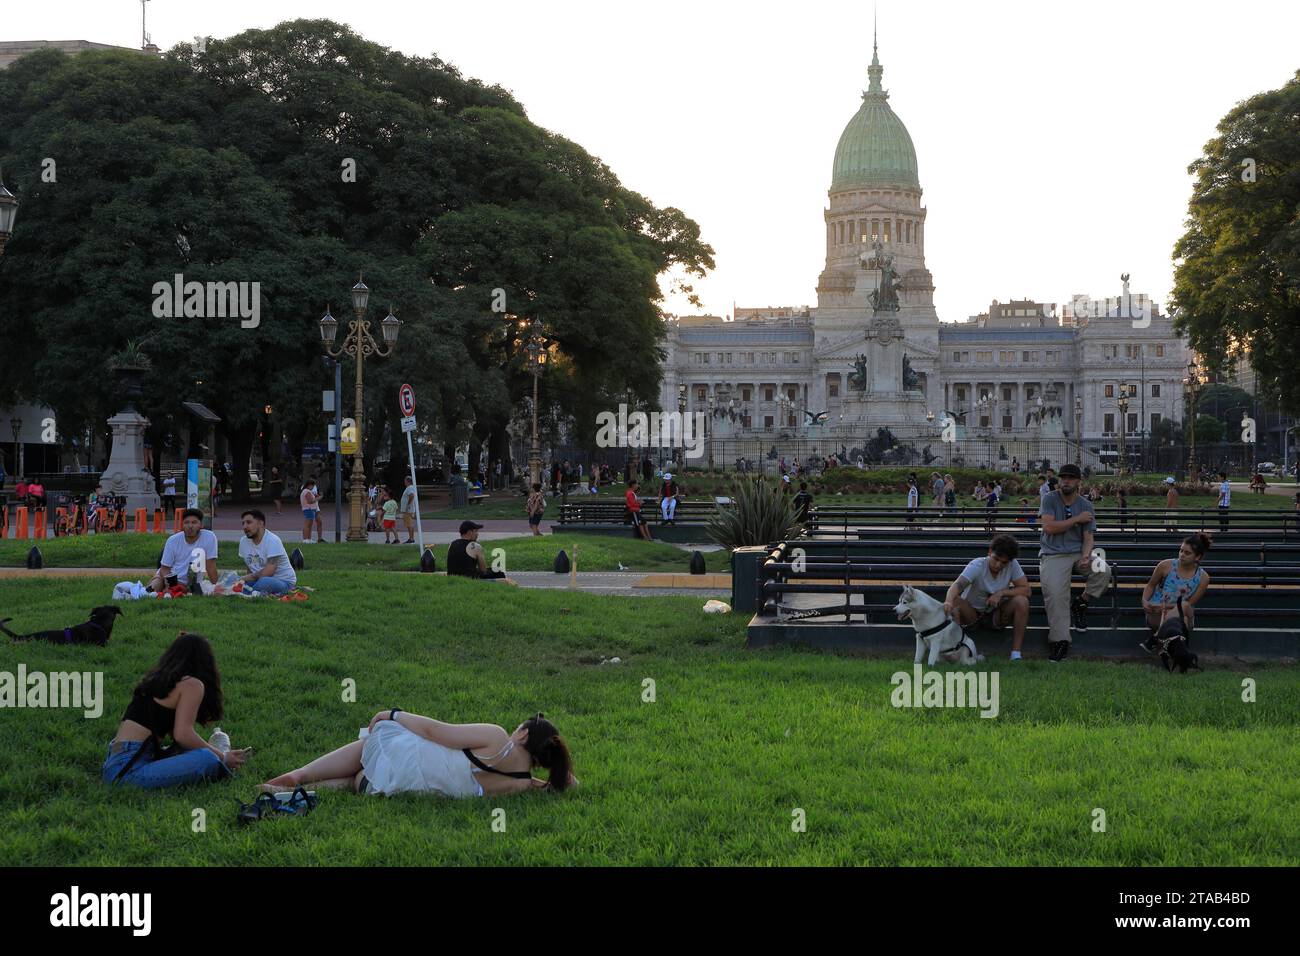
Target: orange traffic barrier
[[103, 519], [20, 530], [176, 521], [4, 522], [157, 521], [38, 531], [141, 520]]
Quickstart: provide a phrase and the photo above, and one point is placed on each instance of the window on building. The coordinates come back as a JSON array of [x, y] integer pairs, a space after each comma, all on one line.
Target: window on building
[[1006, 393], [956, 356], [1030, 391], [985, 357], [1160, 351], [875, 230], [1155, 391], [768, 394], [768, 422], [1155, 420], [790, 393], [851, 237], [909, 230], [1006, 423], [984, 421], [1110, 423], [961, 393], [701, 393], [1006, 357], [745, 394], [886, 230], [1110, 391], [1132, 425], [834, 389]]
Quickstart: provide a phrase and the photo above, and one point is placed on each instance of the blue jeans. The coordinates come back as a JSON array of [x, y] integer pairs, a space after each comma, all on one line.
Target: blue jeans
[[270, 585], [192, 766]]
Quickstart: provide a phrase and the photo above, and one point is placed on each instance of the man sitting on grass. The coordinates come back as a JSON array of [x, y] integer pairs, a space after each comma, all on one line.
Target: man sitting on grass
[[175, 564], [465, 556], [269, 570], [993, 592]]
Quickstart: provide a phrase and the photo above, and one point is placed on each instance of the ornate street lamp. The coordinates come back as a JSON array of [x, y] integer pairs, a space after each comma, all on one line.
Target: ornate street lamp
[[1078, 430], [17, 425], [1122, 463], [8, 212], [536, 350], [359, 343], [1192, 385]]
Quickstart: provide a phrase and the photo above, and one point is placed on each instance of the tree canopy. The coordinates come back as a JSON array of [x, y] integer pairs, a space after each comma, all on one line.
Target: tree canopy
[[1237, 268], [232, 165]]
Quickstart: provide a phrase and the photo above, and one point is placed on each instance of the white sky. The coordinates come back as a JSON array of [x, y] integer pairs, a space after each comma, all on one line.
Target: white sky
[[1052, 138]]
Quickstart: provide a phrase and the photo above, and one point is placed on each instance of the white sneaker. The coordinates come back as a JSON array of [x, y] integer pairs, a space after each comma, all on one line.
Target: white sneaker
[[322, 540]]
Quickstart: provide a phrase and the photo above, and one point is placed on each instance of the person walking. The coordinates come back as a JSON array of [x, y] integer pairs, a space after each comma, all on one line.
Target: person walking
[[1171, 506], [913, 504], [169, 495], [408, 506], [1065, 547], [991, 506], [277, 488], [310, 511], [535, 506], [1225, 500]]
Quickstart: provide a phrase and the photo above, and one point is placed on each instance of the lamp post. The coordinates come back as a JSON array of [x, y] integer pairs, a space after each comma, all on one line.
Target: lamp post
[[1078, 431], [17, 425], [8, 212], [1122, 462], [1192, 385], [359, 343], [536, 360], [708, 429]]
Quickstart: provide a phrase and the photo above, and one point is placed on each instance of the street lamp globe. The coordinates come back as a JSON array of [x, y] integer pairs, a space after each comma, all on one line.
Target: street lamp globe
[[360, 297], [391, 325], [329, 327]]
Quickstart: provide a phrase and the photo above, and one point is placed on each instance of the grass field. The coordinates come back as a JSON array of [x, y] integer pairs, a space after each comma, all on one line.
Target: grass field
[[709, 773], [596, 552]]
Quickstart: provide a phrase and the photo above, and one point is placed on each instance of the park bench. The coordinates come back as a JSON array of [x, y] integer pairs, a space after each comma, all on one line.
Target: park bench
[[847, 603], [610, 516]]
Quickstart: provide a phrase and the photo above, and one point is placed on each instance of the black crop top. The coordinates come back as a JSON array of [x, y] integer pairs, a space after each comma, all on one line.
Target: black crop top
[[147, 712]]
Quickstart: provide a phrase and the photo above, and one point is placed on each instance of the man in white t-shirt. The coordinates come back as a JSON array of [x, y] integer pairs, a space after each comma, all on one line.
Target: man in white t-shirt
[[994, 591], [913, 504], [1225, 500], [178, 551], [269, 570]]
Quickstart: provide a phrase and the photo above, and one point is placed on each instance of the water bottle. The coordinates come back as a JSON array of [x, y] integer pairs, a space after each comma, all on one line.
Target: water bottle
[[220, 740]]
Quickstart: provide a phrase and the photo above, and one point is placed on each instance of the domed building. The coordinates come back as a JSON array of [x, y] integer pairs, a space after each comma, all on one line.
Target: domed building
[[1019, 381]]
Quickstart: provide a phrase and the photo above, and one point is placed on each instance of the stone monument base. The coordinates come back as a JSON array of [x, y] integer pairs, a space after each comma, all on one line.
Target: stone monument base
[[126, 475]]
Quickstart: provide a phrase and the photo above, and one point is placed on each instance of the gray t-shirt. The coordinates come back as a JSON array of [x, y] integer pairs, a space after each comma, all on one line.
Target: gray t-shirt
[[984, 582], [1071, 542], [258, 556], [176, 553]]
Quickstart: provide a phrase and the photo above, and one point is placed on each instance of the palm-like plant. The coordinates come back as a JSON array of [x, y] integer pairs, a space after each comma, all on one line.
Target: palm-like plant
[[759, 514]]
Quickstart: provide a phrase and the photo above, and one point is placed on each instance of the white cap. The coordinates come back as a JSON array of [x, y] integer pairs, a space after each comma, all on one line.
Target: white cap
[[668, 476], [785, 477], [1169, 481]]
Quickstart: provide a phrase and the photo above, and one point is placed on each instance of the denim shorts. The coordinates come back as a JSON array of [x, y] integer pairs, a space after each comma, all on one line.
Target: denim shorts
[[149, 773], [309, 514]]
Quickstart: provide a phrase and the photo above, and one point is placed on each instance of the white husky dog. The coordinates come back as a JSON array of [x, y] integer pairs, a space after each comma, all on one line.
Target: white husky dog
[[935, 631]]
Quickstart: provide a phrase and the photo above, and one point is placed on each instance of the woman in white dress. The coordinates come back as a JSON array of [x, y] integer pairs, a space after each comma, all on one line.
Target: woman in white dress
[[406, 753]]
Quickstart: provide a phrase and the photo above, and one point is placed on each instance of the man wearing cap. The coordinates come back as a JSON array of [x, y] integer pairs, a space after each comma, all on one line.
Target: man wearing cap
[[1171, 506], [1065, 546], [465, 555], [668, 499]]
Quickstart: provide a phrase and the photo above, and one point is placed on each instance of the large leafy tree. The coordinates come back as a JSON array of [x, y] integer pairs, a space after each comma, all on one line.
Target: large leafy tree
[[235, 165], [1237, 274]]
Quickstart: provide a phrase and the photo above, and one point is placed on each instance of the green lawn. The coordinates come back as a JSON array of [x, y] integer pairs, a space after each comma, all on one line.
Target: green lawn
[[707, 774], [596, 552]]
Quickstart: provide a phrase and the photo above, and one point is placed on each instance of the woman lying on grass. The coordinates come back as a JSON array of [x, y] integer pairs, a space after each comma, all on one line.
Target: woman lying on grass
[[408, 753], [183, 688]]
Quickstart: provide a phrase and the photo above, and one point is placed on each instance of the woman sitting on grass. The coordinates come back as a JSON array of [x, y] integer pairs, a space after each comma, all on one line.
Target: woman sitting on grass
[[184, 687], [407, 753], [1174, 578]]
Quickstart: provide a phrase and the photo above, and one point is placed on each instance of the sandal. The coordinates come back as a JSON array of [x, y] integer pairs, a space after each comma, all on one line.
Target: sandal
[[260, 808], [300, 801]]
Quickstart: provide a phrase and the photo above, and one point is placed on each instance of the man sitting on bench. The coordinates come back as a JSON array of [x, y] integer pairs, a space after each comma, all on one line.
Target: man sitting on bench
[[993, 592]]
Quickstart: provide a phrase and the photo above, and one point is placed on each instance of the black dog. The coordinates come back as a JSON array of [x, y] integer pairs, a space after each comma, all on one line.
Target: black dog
[[1173, 641], [95, 631]]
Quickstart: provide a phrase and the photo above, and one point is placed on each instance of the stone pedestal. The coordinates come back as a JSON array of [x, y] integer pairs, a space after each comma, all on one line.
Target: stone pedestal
[[126, 474]]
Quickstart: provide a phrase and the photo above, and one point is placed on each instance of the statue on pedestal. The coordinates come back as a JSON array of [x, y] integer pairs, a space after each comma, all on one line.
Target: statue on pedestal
[[858, 377]]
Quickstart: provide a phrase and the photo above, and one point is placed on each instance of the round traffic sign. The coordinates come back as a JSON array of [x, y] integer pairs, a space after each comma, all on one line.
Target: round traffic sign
[[407, 399]]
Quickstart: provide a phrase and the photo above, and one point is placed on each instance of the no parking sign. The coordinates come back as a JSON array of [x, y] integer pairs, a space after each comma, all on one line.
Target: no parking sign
[[406, 398]]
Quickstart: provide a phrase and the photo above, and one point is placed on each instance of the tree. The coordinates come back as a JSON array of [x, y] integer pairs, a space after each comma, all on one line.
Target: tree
[[455, 194], [1237, 267], [1209, 430]]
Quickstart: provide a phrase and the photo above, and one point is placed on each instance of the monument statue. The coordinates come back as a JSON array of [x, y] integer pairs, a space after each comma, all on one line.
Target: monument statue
[[910, 379], [858, 377]]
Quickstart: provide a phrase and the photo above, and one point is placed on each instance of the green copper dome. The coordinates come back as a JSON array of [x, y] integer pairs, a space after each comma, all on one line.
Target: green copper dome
[[875, 149]]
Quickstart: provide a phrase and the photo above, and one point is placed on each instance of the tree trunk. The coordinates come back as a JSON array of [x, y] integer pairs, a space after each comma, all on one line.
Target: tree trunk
[[240, 441]]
